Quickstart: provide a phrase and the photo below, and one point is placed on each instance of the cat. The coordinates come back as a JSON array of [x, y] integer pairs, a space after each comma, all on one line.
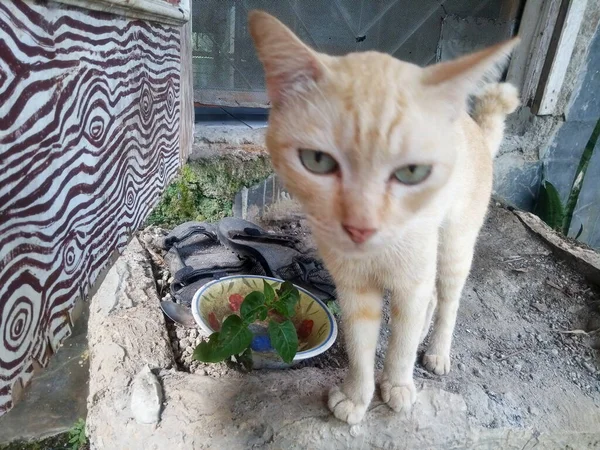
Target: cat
[[395, 178]]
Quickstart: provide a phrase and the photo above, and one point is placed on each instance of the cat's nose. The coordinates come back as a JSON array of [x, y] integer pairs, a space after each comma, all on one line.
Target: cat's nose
[[359, 235]]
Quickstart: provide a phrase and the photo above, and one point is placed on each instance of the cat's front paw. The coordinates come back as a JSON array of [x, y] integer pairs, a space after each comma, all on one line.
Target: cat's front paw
[[438, 364], [399, 397], [344, 408]]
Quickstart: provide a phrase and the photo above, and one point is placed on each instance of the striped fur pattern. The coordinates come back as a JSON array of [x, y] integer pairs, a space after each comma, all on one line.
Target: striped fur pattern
[[89, 137]]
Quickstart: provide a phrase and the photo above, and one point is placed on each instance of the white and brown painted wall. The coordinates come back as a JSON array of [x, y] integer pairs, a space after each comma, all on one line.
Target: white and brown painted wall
[[94, 123]]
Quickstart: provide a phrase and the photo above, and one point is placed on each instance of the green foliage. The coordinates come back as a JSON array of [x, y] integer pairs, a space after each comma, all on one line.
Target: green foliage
[[234, 338], [288, 297], [284, 339], [334, 307], [549, 207], [253, 307], [77, 437], [205, 190]]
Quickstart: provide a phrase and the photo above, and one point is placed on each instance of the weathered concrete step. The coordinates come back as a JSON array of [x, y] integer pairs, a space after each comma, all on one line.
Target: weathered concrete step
[[517, 382]]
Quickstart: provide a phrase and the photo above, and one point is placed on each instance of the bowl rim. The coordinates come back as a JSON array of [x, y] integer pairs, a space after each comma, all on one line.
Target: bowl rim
[[333, 331]]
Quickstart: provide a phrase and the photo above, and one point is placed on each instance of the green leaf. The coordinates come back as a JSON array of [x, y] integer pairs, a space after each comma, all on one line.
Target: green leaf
[[579, 232], [549, 207], [245, 359], [234, 336], [269, 293], [253, 307], [288, 298], [284, 339], [209, 351], [334, 307]]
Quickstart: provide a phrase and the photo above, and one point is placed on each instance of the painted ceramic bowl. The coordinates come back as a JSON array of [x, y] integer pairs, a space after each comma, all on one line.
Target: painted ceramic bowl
[[213, 303]]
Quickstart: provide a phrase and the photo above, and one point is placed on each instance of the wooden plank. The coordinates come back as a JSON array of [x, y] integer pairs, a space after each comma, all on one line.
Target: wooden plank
[[186, 94], [535, 30], [559, 56], [174, 13]]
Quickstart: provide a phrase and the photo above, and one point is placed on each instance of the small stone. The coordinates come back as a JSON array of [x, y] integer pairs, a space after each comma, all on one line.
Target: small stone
[[189, 350], [183, 343], [461, 366], [354, 430], [591, 369], [146, 397], [198, 340], [517, 367], [554, 352], [477, 372], [167, 297], [181, 333], [170, 280], [533, 411], [193, 334]]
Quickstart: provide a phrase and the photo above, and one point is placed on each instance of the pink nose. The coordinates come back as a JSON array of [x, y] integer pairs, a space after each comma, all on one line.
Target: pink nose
[[359, 235]]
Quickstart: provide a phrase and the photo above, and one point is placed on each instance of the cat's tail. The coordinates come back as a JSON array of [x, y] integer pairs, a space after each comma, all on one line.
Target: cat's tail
[[492, 106]]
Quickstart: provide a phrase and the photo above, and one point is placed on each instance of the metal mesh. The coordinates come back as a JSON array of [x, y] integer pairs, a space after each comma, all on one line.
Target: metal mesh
[[227, 71]]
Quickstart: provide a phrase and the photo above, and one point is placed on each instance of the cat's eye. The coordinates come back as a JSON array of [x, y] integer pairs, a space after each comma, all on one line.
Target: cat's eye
[[412, 174], [318, 162]]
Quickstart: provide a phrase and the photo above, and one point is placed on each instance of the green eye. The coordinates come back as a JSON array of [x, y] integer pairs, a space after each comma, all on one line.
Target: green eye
[[412, 174], [318, 162]]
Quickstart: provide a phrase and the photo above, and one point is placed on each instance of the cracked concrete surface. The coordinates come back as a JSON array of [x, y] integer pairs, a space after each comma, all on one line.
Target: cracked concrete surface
[[541, 391]]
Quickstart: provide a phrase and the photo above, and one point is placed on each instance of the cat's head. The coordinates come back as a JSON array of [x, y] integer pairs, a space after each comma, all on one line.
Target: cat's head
[[364, 141]]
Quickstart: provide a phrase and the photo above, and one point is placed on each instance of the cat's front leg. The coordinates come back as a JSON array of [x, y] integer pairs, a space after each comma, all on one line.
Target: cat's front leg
[[361, 317], [409, 306], [454, 263]]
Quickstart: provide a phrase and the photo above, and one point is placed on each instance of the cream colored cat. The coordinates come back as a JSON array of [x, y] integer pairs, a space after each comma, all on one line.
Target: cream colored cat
[[395, 178]]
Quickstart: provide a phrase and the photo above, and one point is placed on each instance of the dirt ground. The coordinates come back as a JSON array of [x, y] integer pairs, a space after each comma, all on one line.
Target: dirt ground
[[527, 323]]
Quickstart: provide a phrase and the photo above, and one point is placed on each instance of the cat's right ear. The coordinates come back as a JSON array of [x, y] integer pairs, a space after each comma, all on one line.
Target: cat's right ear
[[290, 65]]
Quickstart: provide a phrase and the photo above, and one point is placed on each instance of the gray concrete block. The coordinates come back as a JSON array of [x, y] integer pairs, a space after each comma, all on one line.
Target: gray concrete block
[[585, 103], [516, 180], [460, 36], [587, 210], [561, 159]]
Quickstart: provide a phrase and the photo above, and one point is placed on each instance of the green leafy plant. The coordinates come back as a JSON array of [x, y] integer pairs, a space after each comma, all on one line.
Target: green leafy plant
[[549, 207], [77, 437], [205, 189], [235, 337]]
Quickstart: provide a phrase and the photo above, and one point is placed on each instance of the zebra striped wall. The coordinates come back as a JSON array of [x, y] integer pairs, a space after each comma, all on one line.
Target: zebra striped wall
[[89, 136]]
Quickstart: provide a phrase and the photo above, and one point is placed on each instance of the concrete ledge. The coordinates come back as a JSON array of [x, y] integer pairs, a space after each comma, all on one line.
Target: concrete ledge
[[287, 409], [585, 260]]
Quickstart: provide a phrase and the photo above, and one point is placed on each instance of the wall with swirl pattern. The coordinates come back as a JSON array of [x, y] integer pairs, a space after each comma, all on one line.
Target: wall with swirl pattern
[[89, 137]]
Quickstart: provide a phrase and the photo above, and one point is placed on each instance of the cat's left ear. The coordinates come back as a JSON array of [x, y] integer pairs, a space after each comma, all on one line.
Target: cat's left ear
[[454, 81], [290, 65]]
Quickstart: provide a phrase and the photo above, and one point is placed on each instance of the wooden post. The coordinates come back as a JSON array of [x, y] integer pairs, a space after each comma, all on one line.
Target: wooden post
[[535, 31], [559, 55], [186, 95]]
